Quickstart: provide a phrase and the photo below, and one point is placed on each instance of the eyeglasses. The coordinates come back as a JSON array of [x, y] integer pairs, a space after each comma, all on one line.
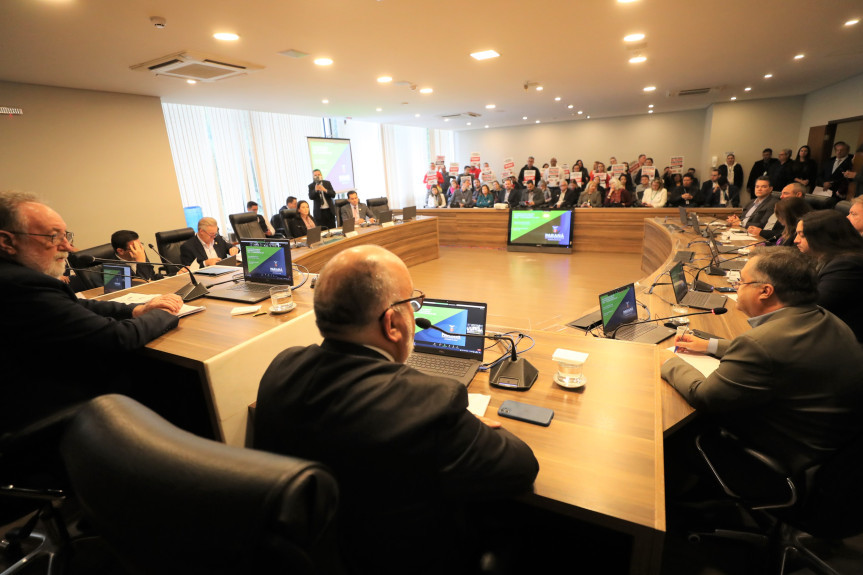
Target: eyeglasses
[[736, 284], [416, 302], [56, 239]]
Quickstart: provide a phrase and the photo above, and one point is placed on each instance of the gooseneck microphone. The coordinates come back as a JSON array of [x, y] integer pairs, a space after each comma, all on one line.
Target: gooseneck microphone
[[515, 373], [714, 311], [190, 291]]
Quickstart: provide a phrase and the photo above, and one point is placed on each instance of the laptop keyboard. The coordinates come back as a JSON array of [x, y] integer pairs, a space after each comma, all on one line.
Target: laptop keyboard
[[437, 365], [697, 298], [633, 331], [250, 287]]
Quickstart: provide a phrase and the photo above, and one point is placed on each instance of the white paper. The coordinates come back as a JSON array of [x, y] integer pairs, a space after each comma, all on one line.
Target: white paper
[[133, 298], [477, 403], [706, 364]]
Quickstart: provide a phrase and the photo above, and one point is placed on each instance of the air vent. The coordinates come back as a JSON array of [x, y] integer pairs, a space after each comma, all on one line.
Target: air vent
[[196, 66], [462, 115], [693, 92]]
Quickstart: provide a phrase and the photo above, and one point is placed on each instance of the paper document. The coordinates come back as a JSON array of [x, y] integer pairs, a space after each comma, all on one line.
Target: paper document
[[706, 364], [477, 403], [133, 298]]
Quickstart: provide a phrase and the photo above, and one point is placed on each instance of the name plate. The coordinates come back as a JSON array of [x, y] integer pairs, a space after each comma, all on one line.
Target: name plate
[[351, 234], [388, 224]]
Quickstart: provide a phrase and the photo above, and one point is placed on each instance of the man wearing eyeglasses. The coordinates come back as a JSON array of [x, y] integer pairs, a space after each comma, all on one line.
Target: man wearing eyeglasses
[[45, 328], [406, 452], [790, 386], [207, 247]]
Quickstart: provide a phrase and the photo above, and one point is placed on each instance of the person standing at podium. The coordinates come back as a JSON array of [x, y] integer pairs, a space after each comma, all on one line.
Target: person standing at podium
[[323, 198]]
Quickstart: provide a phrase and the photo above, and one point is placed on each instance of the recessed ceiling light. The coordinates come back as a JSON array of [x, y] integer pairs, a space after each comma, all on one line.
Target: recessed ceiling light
[[379, 109], [588, 117], [649, 88], [416, 115], [557, 99], [537, 121], [626, 1], [633, 38], [733, 98], [650, 111], [323, 61], [852, 22], [191, 81], [325, 101], [446, 119], [484, 55], [426, 91], [385, 79], [486, 125], [799, 56], [580, 112], [768, 76], [468, 123], [490, 106], [524, 117], [539, 88], [226, 36], [637, 59], [650, 105], [747, 89], [570, 106]]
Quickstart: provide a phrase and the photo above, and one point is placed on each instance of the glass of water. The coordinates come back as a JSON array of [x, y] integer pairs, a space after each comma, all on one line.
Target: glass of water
[[281, 299]]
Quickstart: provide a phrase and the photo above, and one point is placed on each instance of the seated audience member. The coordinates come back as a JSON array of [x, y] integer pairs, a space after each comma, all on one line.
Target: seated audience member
[[805, 169], [290, 204], [788, 212], [772, 228], [300, 226], [548, 197], [686, 194], [578, 167], [790, 386], [760, 209], [496, 189], [656, 196], [462, 197], [720, 193], [406, 452], [128, 247], [837, 248], [436, 198], [732, 171], [357, 210], [43, 321], [266, 228], [568, 199], [509, 195], [485, 198], [532, 197], [591, 196], [626, 181], [206, 247], [855, 214], [617, 196], [691, 173], [647, 162], [600, 176], [640, 189], [708, 187]]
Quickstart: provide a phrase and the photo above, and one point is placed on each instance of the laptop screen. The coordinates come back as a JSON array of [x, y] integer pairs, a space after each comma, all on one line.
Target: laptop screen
[[409, 213], [678, 281], [267, 261], [455, 317], [617, 307], [116, 277]]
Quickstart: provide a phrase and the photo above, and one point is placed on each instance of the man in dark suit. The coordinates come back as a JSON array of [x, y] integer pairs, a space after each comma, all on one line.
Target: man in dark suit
[[831, 176], [510, 194], [323, 196], [266, 228], [790, 386], [206, 247], [782, 172], [719, 193], [406, 452], [685, 195], [47, 329], [529, 166], [356, 210], [760, 209], [761, 168], [128, 247]]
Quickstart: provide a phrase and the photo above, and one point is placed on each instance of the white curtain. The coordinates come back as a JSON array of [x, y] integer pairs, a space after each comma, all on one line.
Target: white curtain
[[406, 152], [368, 157]]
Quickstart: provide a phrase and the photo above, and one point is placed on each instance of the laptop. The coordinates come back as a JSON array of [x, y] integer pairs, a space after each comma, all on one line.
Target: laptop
[[313, 236], [696, 299], [266, 263], [720, 248], [619, 308], [453, 356], [684, 218], [348, 226], [385, 217], [727, 265], [409, 213], [116, 277]]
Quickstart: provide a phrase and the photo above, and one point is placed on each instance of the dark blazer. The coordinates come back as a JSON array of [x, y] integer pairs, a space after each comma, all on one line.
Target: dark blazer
[[192, 250], [805, 170], [348, 213], [404, 448], [298, 229], [711, 198], [837, 179], [570, 197], [675, 196], [761, 214], [738, 174], [315, 196], [759, 169], [789, 387], [839, 282], [43, 321], [781, 174], [514, 197]]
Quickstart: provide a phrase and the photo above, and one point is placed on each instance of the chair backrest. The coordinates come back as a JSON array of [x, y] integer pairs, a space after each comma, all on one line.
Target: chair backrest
[[338, 204], [169, 246], [246, 226], [167, 501], [288, 214], [817, 202], [378, 205], [91, 276], [843, 207]]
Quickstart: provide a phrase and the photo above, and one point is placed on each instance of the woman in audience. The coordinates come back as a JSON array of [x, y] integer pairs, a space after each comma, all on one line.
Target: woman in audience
[[618, 196], [579, 167], [855, 214], [436, 198], [591, 197], [300, 226], [485, 199], [837, 247], [626, 181], [656, 196], [805, 169], [788, 213]]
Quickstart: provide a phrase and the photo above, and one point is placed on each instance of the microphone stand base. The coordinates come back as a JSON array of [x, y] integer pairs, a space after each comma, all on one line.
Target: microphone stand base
[[191, 292], [518, 375]]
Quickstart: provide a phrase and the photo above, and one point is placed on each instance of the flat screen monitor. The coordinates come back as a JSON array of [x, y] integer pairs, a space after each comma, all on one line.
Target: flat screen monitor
[[540, 230], [332, 156]]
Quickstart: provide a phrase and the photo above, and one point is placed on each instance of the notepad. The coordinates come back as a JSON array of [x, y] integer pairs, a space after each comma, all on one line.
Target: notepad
[[706, 364], [133, 298]]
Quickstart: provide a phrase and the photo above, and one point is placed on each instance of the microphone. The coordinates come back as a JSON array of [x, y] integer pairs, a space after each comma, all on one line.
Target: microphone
[[84, 261], [90, 271], [515, 373], [714, 311], [188, 292]]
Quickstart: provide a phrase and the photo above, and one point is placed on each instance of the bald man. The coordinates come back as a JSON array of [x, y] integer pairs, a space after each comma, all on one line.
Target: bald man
[[405, 450], [772, 229], [47, 329]]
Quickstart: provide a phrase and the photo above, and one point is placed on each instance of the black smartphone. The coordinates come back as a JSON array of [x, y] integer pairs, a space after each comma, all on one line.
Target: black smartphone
[[525, 412]]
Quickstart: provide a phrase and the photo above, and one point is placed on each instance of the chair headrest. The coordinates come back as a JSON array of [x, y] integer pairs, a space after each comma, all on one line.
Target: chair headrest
[[174, 236]]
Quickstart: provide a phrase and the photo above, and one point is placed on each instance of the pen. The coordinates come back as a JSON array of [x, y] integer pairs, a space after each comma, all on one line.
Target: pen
[[260, 313]]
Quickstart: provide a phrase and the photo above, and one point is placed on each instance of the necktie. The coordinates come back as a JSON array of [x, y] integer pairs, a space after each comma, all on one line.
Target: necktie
[[356, 213]]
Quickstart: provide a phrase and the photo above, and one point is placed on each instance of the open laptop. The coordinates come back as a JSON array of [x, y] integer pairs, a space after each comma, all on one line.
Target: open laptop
[[409, 213], [222, 267], [726, 265], [619, 308], [720, 248], [116, 277], [385, 217], [266, 263], [348, 226], [685, 296], [453, 356]]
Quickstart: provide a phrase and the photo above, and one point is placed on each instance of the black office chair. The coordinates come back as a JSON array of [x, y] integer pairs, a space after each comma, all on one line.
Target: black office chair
[[824, 502], [338, 205], [279, 225], [378, 206], [818, 202], [844, 207], [168, 243], [246, 226], [90, 277], [166, 501], [287, 214]]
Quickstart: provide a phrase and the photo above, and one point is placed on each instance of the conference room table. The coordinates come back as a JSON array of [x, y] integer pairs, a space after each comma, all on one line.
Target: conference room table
[[601, 458]]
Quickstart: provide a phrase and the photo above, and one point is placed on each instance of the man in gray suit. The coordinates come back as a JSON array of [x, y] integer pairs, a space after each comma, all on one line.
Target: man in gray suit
[[356, 211], [760, 209], [789, 387]]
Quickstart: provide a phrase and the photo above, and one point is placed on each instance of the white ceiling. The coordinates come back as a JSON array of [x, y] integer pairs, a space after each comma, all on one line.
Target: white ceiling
[[574, 49]]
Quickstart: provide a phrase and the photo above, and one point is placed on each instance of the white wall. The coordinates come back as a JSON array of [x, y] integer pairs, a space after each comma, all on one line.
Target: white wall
[[836, 102], [101, 159]]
